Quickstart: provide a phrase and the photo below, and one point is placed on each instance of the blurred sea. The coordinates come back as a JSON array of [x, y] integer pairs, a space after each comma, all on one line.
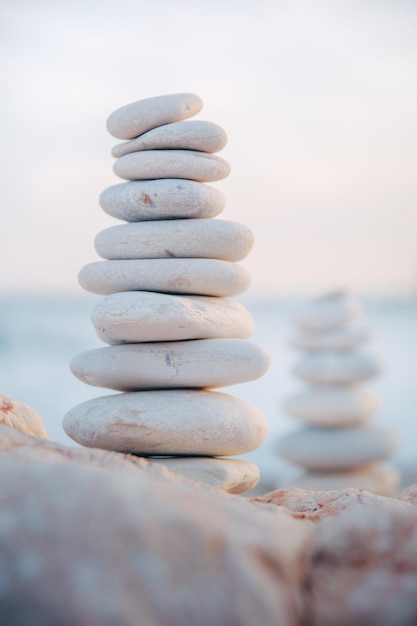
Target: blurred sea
[[39, 335]]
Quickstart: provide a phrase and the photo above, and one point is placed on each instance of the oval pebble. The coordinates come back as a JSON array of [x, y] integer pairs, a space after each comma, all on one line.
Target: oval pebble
[[172, 364], [191, 135], [344, 338], [324, 449], [203, 238], [230, 475], [377, 478], [137, 316], [337, 368], [169, 198], [136, 118], [206, 277], [330, 311], [333, 406], [174, 422], [187, 164]]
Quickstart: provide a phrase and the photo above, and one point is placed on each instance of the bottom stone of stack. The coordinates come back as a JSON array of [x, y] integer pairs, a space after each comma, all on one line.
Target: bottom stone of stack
[[168, 423], [231, 475], [377, 478]]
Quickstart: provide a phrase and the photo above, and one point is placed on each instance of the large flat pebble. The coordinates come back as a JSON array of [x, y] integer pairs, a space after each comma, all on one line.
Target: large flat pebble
[[325, 449], [333, 406], [376, 478], [170, 423], [169, 198], [206, 277], [190, 135], [231, 475], [173, 364], [137, 316], [343, 338], [164, 239], [337, 368], [187, 164], [330, 311], [136, 118]]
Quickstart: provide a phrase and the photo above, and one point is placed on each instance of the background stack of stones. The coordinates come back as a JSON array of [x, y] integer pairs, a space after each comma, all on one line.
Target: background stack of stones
[[173, 334], [336, 446]]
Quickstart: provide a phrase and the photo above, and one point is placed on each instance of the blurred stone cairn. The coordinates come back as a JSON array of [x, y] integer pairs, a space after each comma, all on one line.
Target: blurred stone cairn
[[172, 332], [336, 446]]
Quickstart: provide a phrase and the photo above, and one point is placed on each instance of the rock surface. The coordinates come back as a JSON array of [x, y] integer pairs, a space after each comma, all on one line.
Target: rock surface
[[199, 363], [378, 478], [336, 368], [344, 338], [20, 416], [168, 422], [330, 311]]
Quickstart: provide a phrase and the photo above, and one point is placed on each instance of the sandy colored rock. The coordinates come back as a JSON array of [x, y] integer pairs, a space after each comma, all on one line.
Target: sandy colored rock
[[231, 475], [377, 478], [154, 164], [88, 545], [173, 422], [164, 239], [139, 117], [206, 277], [337, 368], [190, 135], [329, 311], [199, 363], [343, 338], [338, 407], [137, 316], [325, 449], [21, 417], [319, 505], [161, 200]]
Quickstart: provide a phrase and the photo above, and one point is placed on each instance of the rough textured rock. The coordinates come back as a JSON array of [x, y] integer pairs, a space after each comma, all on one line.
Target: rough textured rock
[[20, 416], [88, 545], [409, 495], [379, 478]]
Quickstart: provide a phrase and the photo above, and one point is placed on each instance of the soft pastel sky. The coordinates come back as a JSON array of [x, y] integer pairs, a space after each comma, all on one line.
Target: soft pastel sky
[[319, 100]]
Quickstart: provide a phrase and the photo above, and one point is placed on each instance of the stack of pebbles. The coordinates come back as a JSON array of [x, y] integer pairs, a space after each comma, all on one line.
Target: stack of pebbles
[[336, 446], [172, 333]]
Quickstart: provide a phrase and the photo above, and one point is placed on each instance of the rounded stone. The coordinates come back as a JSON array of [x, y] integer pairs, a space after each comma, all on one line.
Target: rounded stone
[[206, 277], [187, 164], [231, 475], [344, 338], [173, 364], [324, 449], [337, 368], [338, 407], [136, 118], [164, 239], [190, 135], [376, 478], [161, 200], [334, 309], [137, 316], [174, 422]]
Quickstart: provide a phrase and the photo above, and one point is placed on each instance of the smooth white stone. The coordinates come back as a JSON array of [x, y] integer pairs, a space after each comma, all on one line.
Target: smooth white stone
[[330, 311], [205, 277], [174, 422], [138, 117], [325, 449], [191, 135], [187, 164], [377, 478], [168, 198], [137, 316], [345, 338], [336, 368], [203, 238], [231, 475], [333, 406], [173, 364]]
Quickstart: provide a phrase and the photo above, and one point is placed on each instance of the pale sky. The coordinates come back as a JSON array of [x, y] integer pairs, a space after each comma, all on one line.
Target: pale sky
[[318, 98]]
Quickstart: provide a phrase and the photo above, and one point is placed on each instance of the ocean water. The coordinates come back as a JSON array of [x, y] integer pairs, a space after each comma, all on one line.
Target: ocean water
[[39, 335]]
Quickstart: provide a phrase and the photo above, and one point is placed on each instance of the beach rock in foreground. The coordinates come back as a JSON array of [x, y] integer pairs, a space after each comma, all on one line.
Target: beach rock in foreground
[[20, 416]]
